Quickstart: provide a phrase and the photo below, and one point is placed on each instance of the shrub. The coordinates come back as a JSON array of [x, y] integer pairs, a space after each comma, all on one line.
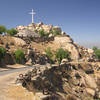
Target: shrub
[[2, 29], [95, 48], [47, 35], [19, 55], [41, 33], [2, 52], [55, 32], [49, 53], [61, 54], [12, 32], [97, 53]]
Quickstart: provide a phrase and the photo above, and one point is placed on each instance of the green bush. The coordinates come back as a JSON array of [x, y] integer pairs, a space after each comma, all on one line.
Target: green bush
[[61, 54], [47, 35], [55, 32], [97, 53], [12, 32], [2, 29], [95, 48], [49, 53], [19, 56], [2, 52], [41, 33]]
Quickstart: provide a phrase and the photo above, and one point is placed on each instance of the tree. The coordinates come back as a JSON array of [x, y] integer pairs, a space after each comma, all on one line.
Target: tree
[[19, 55], [97, 53], [49, 52], [41, 33], [95, 48], [12, 32], [2, 29], [2, 52], [61, 54], [55, 31]]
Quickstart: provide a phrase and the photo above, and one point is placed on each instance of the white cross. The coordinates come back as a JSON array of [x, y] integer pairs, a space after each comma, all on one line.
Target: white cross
[[32, 13]]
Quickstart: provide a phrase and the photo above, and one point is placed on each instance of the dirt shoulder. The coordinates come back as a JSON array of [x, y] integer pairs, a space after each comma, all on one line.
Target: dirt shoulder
[[9, 90]]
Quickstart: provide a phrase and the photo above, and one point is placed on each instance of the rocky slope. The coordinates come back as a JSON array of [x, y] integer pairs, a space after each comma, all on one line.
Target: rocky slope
[[71, 81], [33, 45]]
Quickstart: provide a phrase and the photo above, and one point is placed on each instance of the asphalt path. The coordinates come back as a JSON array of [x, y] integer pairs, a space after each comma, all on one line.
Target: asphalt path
[[2, 73]]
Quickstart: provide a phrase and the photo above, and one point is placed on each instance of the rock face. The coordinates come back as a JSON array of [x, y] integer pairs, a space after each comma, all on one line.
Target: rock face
[[27, 33], [90, 91], [77, 52], [19, 41], [67, 43], [12, 41], [87, 54], [66, 82], [63, 40], [32, 29], [29, 38], [90, 82]]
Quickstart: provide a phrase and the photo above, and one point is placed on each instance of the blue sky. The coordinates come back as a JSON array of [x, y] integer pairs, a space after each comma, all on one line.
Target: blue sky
[[79, 18]]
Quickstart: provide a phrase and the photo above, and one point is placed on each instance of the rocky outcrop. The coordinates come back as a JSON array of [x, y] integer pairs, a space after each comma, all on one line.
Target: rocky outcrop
[[67, 43], [29, 36], [65, 82], [18, 41], [47, 28], [63, 40], [87, 54], [34, 57], [32, 29], [27, 33], [8, 40], [77, 52]]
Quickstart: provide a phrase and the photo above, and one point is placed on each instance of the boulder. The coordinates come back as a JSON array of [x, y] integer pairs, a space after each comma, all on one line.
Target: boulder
[[90, 81], [90, 91], [50, 35], [62, 39], [20, 27], [30, 55], [29, 62], [64, 61], [18, 41], [90, 51], [27, 33], [47, 28], [63, 33], [73, 50], [67, 44]]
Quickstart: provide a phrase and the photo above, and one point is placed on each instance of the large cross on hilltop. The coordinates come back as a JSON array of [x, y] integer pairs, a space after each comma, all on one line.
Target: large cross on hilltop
[[32, 13]]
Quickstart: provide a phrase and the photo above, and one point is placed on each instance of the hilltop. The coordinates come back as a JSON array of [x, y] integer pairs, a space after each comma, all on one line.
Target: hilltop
[[34, 39]]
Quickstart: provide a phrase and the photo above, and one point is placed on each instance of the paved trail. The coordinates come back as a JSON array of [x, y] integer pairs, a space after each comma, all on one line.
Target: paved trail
[[2, 73]]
